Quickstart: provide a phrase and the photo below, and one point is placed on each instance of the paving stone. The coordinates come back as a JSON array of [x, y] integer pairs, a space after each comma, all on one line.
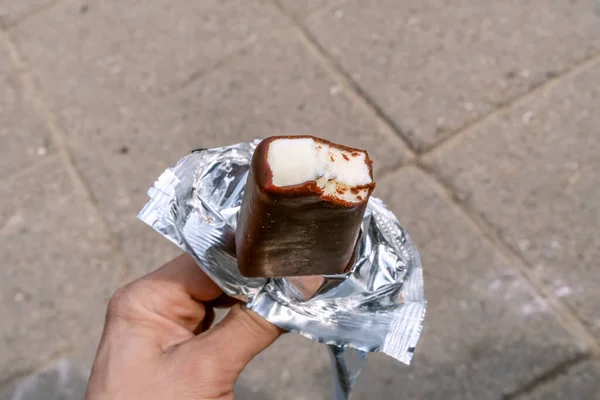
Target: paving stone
[[533, 173], [276, 88], [11, 11], [293, 368], [435, 65], [57, 269], [23, 137], [94, 75], [486, 333], [63, 379], [302, 8], [581, 382]]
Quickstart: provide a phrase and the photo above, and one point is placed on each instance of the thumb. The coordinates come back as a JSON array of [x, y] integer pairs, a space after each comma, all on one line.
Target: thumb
[[239, 337]]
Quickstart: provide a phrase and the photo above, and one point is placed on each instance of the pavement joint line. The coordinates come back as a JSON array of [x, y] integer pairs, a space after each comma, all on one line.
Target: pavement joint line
[[387, 172], [37, 367], [561, 311], [542, 87], [564, 313], [36, 98], [546, 378], [176, 86], [32, 14], [32, 166], [352, 90]]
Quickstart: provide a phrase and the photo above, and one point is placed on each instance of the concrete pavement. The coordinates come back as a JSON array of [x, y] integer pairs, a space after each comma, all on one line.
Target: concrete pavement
[[482, 118]]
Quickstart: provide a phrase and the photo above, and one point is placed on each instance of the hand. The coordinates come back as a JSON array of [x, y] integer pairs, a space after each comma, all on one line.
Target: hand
[[157, 343]]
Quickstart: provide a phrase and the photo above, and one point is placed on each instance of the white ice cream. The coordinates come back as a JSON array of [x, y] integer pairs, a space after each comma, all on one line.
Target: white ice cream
[[336, 171]]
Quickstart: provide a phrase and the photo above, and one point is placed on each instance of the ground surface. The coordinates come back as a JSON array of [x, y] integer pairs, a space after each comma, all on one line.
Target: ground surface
[[482, 116]]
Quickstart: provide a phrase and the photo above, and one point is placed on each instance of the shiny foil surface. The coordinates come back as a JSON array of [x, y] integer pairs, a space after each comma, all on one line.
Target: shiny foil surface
[[378, 306]]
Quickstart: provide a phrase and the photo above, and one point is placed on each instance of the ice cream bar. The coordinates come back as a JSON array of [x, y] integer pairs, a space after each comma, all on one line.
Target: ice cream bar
[[303, 205]]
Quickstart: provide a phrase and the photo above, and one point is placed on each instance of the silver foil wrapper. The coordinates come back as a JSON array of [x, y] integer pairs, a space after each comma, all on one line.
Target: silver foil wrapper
[[378, 306]]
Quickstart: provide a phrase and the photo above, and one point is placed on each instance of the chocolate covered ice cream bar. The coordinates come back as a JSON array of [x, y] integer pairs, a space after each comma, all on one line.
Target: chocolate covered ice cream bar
[[303, 205]]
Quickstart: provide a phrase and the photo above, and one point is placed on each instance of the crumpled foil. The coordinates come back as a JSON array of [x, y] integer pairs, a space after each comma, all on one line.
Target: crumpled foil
[[378, 306]]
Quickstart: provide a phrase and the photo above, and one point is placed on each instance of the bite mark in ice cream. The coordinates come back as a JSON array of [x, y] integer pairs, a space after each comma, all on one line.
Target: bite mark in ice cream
[[335, 170], [303, 206]]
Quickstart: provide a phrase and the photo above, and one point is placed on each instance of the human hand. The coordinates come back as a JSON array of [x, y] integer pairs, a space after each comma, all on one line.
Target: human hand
[[157, 343]]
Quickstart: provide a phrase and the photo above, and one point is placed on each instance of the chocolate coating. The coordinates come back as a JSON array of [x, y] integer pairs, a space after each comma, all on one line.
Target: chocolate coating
[[293, 230]]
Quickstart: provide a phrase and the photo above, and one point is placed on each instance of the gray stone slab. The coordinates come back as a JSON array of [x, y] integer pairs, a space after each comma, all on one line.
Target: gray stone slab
[[57, 269], [12, 11], [97, 60], [533, 173], [119, 180], [275, 89], [65, 378], [486, 333], [293, 368], [581, 382], [23, 137], [433, 66], [302, 8]]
